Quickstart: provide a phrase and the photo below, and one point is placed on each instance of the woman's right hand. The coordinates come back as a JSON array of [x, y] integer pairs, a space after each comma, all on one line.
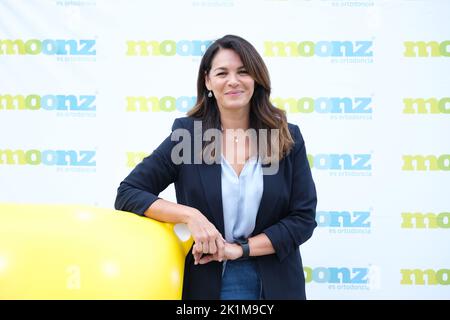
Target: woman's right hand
[[207, 239]]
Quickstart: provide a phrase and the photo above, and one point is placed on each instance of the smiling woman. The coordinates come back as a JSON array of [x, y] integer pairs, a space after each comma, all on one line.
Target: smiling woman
[[247, 222]]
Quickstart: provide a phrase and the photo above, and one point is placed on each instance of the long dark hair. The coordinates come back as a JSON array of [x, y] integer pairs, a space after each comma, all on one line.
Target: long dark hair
[[263, 115]]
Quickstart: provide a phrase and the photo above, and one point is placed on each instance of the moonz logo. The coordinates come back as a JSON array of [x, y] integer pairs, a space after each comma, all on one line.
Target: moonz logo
[[426, 106], [306, 49], [48, 102], [84, 158], [343, 278], [344, 221], [425, 277], [426, 163], [425, 49], [325, 105], [336, 275], [60, 47], [342, 164], [428, 220], [163, 104], [167, 48]]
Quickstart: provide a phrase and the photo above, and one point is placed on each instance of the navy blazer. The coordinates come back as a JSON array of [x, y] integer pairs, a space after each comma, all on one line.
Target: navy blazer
[[286, 213]]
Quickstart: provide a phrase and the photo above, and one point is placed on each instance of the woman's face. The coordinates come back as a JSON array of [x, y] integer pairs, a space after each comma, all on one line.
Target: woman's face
[[230, 83]]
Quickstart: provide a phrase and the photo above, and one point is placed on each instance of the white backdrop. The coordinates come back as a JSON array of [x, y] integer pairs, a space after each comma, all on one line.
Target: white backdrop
[[367, 81]]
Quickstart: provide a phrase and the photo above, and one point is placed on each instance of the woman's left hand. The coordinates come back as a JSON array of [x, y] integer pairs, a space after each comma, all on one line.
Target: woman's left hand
[[232, 251]]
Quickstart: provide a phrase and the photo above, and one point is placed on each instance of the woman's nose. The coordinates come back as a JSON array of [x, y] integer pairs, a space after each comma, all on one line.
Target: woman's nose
[[233, 80]]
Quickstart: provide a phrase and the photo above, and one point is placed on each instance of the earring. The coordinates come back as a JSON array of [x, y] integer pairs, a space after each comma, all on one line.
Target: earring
[[210, 94]]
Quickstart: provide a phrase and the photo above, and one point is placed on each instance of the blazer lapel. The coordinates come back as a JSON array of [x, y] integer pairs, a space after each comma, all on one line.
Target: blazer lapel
[[210, 177], [268, 200]]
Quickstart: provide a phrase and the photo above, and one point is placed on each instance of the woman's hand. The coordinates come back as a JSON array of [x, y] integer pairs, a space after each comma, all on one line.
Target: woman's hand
[[232, 251], [207, 239]]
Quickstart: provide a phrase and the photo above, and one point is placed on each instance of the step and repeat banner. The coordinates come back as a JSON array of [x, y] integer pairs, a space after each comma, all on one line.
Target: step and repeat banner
[[90, 87]]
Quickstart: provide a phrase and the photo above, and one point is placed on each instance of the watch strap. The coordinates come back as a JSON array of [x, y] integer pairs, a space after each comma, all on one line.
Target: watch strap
[[245, 248]]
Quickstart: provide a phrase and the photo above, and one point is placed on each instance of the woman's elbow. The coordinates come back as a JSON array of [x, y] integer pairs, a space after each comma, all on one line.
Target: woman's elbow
[[119, 203]]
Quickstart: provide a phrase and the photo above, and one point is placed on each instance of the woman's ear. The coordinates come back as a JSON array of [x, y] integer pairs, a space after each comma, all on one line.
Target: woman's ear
[[207, 82]]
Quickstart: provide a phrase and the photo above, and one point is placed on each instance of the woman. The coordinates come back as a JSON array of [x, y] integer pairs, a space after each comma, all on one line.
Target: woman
[[247, 222]]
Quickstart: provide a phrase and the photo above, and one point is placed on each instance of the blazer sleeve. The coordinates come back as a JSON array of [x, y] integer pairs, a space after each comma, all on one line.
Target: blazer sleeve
[[150, 177], [297, 227]]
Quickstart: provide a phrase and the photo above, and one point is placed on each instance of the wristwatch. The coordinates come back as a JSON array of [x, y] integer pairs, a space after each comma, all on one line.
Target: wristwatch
[[245, 248]]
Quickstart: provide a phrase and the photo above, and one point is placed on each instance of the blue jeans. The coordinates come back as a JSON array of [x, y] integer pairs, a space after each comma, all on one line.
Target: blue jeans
[[240, 281]]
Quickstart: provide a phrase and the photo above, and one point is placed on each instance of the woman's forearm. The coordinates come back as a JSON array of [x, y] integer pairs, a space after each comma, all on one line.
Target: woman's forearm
[[166, 211], [260, 245]]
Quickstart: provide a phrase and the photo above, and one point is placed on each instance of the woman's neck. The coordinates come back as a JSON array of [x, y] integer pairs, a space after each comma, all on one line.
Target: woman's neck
[[235, 120]]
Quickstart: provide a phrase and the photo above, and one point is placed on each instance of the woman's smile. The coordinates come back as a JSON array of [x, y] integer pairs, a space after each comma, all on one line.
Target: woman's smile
[[234, 93]]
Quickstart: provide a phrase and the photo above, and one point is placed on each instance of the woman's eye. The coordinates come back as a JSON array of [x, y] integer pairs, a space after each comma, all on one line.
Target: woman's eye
[[243, 72], [221, 74]]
